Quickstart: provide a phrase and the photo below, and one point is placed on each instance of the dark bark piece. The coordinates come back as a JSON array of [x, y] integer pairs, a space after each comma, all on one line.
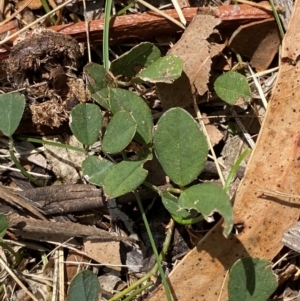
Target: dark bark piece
[[24, 227], [65, 198], [148, 24], [20, 180], [117, 215], [14, 200]]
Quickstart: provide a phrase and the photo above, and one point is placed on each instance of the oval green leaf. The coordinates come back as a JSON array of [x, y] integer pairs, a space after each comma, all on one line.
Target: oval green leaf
[[208, 198], [232, 86], [86, 122], [124, 177], [3, 225], [137, 58], [164, 70], [98, 80], [251, 279], [180, 146], [119, 132], [12, 107], [84, 287], [124, 100], [95, 169]]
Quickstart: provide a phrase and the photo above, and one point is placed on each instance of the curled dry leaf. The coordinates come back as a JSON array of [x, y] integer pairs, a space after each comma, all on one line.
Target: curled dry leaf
[[258, 41], [196, 53]]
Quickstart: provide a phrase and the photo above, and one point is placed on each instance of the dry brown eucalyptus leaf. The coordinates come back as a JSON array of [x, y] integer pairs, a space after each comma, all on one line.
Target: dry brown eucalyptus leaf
[[104, 252], [274, 165], [196, 53], [258, 41]]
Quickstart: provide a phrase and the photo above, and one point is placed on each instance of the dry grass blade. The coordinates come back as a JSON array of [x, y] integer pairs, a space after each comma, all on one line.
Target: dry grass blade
[[34, 23], [259, 88], [263, 6], [276, 193], [61, 269], [87, 32], [200, 120], [161, 13], [26, 3], [55, 276], [17, 280], [179, 12]]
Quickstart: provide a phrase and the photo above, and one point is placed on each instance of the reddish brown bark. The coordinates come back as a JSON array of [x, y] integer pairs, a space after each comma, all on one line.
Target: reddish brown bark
[[148, 24]]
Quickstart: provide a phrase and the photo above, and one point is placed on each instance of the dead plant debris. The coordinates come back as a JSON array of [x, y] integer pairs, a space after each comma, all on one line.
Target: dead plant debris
[[70, 226]]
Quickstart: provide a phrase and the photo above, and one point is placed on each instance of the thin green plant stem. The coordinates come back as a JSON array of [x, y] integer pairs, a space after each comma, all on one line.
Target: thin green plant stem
[[154, 270], [138, 291], [106, 63], [189, 221], [238, 56], [174, 190], [134, 285], [57, 144], [158, 260], [47, 10], [280, 28], [124, 9], [18, 164], [152, 187], [235, 167]]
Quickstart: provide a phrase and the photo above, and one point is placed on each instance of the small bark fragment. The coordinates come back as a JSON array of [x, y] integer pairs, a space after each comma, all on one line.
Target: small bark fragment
[[55, 231], [65, 199]]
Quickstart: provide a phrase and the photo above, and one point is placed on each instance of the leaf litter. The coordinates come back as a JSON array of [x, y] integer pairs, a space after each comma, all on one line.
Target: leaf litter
[[199, 48], [196, 53]]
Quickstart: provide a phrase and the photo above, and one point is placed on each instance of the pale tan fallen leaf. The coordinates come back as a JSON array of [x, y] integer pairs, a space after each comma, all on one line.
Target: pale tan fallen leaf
[[214, 134], [64, 163], [258, 41], [104, 252], [196, 53]]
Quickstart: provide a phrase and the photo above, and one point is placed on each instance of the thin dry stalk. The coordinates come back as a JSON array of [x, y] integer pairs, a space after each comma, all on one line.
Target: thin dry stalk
[[263, 6], [64, 244], [87, 32], [223, 284], [259, 88], [3, 167], [282, 258], [161, 13], [242, 128], [179, 12], [17, 280], [55, 276], [200, 120], [34, 23], [61, 274]]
